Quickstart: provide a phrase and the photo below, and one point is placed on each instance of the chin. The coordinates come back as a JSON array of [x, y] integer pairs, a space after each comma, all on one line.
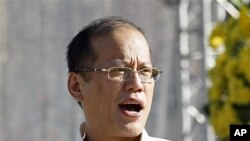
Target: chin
[[132, 129]]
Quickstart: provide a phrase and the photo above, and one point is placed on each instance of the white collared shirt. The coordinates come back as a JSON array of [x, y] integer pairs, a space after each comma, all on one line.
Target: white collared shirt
[[144, 136]]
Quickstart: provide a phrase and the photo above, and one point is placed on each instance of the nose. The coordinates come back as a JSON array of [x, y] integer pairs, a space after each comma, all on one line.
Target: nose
[[134, 83]]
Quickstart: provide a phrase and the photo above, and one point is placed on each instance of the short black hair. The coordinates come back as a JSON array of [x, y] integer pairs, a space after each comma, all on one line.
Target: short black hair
[[79, 52]]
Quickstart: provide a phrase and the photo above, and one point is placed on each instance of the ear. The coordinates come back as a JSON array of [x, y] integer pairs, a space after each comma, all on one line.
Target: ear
[[74, 86]]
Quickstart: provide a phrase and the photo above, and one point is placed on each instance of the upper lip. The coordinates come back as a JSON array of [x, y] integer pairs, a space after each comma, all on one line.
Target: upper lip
[[134, 100]]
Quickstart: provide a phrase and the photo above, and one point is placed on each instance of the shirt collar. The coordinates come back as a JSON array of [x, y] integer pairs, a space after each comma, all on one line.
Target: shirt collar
[[82, 134]]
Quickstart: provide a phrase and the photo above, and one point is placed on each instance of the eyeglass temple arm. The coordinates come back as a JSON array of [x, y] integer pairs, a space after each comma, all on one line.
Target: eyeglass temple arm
[[91, 69]]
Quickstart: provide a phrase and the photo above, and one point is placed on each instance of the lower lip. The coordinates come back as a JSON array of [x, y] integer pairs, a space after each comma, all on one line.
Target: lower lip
[[131, 114]]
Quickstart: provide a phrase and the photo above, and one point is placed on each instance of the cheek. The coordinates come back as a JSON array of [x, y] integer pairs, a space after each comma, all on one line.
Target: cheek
[[100, 101], [149, 92], [109, 93]]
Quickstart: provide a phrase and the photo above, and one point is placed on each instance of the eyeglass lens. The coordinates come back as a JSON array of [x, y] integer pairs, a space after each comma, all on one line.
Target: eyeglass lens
[[123, 74]]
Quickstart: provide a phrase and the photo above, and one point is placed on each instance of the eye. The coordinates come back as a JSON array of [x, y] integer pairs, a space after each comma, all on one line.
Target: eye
[[117, 71], [146, 71]]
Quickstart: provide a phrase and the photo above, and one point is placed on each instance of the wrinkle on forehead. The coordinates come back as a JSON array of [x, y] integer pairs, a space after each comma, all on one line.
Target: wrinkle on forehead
[[125, 63], [126, 44], [133, 44]]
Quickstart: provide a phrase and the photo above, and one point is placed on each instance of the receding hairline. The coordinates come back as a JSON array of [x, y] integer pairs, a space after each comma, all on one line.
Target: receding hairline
[[109, 33], [114, 27], [113, 30], [110, 36], [96, 28]]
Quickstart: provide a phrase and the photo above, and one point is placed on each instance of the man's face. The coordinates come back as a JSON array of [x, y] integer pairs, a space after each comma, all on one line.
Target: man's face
[[118, 108]]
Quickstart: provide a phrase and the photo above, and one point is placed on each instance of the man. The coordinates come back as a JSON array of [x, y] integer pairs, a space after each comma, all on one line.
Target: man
[[112, 78]]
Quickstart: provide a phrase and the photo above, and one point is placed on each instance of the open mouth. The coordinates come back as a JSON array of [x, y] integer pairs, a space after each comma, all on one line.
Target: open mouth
[[131, 107]]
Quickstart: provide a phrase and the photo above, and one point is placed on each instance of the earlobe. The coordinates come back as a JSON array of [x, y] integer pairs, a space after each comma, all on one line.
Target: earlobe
[[74, 86]]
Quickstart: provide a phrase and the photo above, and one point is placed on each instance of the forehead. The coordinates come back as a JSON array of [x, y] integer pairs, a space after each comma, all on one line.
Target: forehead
[[126, 44]]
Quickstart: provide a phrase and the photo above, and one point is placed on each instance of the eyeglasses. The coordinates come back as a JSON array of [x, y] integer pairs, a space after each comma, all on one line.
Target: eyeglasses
[[124, 73]]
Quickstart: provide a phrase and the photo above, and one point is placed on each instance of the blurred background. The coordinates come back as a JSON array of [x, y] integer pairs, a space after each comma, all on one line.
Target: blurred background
[[34, 102]]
